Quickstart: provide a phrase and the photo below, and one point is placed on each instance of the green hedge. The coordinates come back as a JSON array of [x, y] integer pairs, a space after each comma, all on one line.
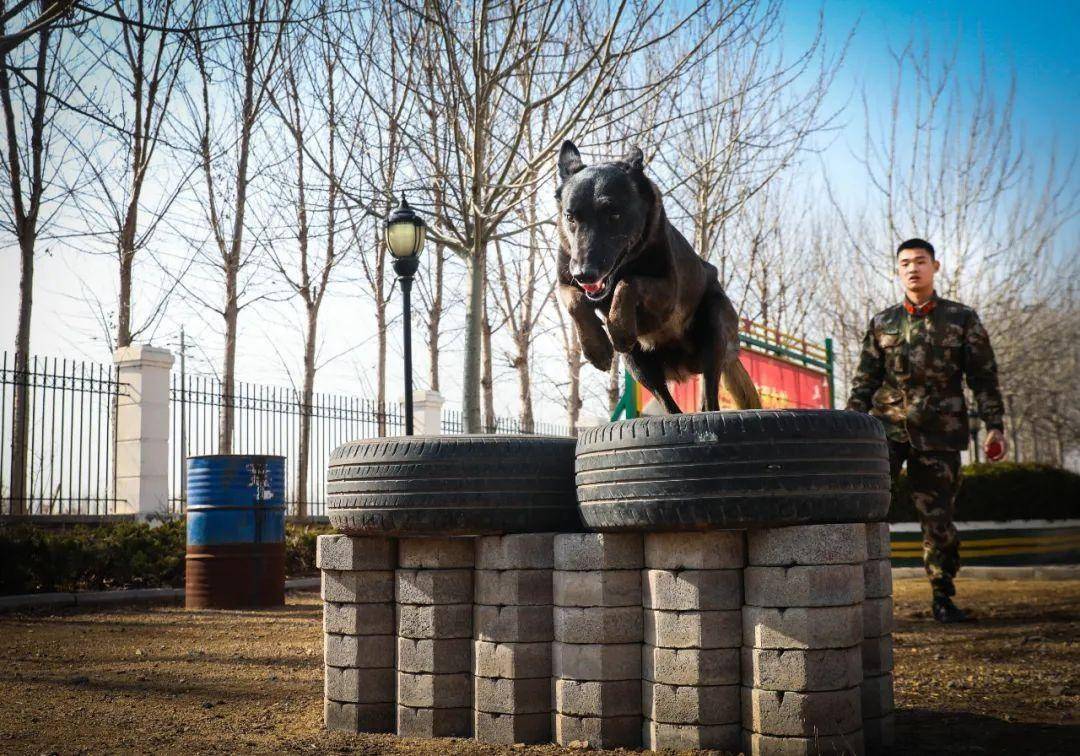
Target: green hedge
[[1004, 491], [123, 555]]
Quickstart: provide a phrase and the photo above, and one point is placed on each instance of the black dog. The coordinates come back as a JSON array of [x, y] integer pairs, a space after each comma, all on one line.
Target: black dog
[[619, 256]]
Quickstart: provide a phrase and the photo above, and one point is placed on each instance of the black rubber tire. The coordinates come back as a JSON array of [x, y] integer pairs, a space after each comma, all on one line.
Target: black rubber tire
[[746, 469], [453, 485]]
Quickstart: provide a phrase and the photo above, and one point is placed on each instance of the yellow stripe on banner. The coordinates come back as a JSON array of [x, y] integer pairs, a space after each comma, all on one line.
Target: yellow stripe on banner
[[974, 550], [1069, 539]]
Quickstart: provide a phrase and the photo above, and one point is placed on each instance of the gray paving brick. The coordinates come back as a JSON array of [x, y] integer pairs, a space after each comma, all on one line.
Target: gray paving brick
[[877, 617], [807, 545], [877, 696], [878, 545], [657, 736], [598, 732], [756, 744], [877, 577], [712, 550], [513, 624], [513, 587], [435, 622], [351, 685], [802, 669], [692, 590], [588, 588], [508, 729], [442, 656], [877, 655], [358, 650], [611, 624], [693, 629], [879, 732], [435, 553], [818, 585], [358, 619], [691, 704], [363, 587], [498, 695], [599, 551], [434, 691], [434, 723], [787, 713], [425, 587], [596, 662], [342, 552], [351, 717], [512, 660], [690, 666], [517, 551], [610, 698], [803, 627]]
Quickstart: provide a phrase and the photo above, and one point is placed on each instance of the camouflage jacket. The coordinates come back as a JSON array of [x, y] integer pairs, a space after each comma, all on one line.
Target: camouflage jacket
[[910, 369]]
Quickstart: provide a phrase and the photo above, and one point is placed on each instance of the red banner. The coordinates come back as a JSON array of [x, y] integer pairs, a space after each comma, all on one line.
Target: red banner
[[780, 383]]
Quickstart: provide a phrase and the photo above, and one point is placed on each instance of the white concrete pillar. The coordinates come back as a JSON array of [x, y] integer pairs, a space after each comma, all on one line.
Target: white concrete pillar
[[142, 430], [427, 413]]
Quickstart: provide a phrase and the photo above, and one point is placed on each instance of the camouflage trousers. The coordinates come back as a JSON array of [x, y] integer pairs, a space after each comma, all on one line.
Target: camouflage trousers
[[934, 478]]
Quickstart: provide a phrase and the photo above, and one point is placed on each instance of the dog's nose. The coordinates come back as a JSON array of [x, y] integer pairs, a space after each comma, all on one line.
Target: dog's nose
[[587, 275]]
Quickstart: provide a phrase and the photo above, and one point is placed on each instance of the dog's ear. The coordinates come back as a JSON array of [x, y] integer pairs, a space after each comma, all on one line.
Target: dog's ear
[[569, 160], [635, 159]]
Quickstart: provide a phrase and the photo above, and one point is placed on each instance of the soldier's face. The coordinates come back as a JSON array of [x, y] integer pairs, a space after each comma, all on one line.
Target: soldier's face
[[917, 269]]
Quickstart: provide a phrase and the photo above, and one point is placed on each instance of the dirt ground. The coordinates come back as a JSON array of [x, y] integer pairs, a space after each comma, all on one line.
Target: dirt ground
[[165, 680]]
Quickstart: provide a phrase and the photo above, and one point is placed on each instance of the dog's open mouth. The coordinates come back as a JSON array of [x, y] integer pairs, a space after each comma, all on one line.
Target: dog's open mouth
[[593, 289]]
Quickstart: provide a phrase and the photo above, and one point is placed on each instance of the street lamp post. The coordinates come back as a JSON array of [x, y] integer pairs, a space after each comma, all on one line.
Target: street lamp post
[[405, 234]]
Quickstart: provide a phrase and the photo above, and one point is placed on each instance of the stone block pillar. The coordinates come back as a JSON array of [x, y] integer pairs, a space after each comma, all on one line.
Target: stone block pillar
[[512, 658], [427, 413], [802, 639], [434, 598], [358, 639], [596, 657], [877, 645], [693, 632], [142, 430]]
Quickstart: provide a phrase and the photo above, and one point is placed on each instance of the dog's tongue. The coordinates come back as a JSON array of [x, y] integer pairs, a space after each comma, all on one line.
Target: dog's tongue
[[592, 288]]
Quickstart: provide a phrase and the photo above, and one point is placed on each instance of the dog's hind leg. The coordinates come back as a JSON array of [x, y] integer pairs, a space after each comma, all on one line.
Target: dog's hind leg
[[648, 368], [715, 328]]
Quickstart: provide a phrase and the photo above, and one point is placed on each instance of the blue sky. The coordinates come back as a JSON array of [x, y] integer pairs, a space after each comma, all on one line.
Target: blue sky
[[1036, 39]]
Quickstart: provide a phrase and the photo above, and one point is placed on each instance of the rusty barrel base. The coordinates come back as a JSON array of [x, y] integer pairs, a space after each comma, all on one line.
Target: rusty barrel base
[[235, 576]]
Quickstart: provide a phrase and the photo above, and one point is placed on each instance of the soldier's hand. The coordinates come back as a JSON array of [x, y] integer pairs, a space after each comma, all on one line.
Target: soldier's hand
[[995, 446]]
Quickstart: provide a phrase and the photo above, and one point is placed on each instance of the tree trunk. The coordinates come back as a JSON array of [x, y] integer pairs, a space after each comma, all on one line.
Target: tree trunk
[[20, 409], [524, 384], [573, 400], [380, 369], [228, 373], [435, 318], [123, 318], [487, 382], [474, 315], [304, 453]]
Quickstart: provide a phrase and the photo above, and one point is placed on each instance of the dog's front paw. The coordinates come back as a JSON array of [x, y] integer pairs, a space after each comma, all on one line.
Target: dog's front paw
[[622, 339], [598, 352]]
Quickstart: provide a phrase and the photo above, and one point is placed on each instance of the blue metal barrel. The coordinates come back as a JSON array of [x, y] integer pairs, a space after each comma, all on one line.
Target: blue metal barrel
[[235, 531]]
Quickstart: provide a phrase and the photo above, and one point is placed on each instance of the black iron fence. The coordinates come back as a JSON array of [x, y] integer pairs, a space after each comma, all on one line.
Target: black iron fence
[[453, 421], [64, 463], [267, 420]]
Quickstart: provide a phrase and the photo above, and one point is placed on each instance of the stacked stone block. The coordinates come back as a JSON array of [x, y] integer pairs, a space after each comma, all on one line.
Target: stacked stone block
[[434, 636], [358, 625], [877, 645], [802, 640], [512, 628], [692, 599], [596, 656]]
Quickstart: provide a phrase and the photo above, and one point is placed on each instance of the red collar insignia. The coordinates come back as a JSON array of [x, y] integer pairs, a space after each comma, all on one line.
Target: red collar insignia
[[920, 310]]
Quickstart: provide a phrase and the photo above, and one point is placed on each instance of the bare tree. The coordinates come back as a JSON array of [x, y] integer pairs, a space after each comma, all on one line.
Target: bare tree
[[248, 61], [32, 90]]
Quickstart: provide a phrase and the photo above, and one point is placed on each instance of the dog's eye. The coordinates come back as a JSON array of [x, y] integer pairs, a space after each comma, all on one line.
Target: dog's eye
[[569, 218]]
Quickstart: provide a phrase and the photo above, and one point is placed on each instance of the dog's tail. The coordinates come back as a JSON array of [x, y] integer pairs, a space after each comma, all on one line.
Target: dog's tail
[[739, 384]]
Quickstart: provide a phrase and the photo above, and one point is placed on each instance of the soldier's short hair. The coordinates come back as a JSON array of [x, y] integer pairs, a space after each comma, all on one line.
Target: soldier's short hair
[[917, 244]]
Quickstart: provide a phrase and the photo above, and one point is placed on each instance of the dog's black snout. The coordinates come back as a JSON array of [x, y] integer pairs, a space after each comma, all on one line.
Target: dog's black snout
[[587, 275]]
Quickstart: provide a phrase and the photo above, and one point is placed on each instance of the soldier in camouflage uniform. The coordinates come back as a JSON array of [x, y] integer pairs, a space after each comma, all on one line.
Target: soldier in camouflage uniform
[[913, 358]]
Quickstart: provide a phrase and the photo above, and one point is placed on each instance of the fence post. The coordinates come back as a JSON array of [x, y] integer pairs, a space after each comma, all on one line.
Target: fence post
[[427, 413], [142, 430]]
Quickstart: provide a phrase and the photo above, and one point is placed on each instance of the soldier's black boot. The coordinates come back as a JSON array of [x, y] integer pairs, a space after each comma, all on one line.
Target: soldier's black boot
[[946, 611]]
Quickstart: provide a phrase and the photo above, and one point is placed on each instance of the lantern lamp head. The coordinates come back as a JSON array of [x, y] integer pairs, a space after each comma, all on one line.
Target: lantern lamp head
[[405, 232]]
